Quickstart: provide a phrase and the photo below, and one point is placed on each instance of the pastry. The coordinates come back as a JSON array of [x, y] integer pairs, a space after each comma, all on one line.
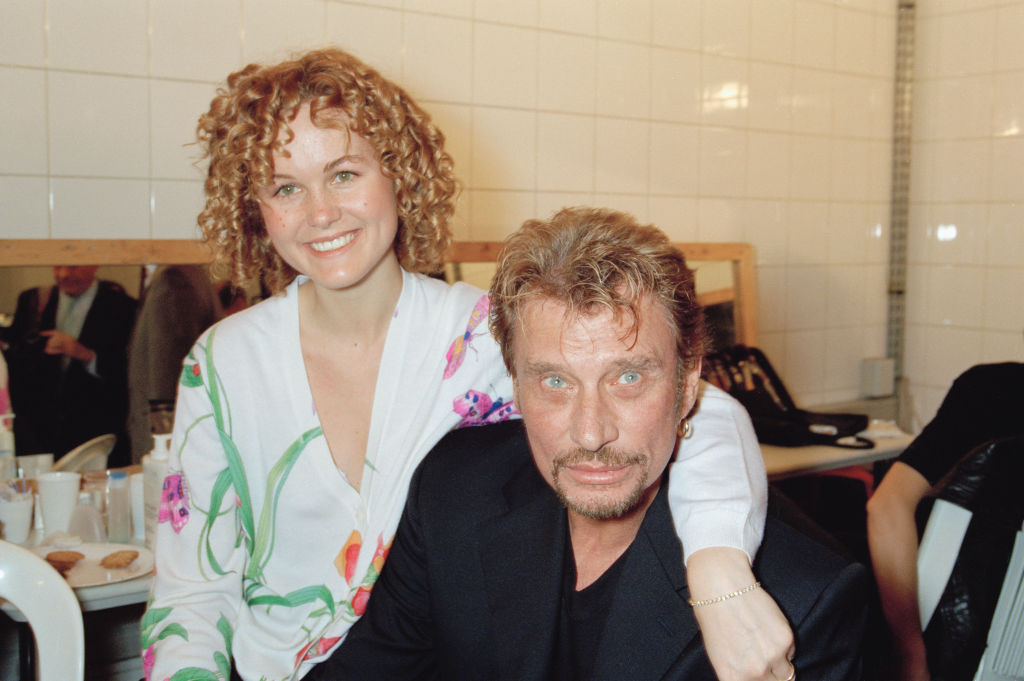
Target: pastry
[[62, 561], [119, 559]]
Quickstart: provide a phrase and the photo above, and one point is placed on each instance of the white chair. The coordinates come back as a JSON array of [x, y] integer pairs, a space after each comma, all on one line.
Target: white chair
[[88, 456], [51, 609]]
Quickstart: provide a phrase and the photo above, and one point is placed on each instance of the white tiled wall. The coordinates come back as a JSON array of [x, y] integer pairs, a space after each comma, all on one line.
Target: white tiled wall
[[966, 242], [766, 121]]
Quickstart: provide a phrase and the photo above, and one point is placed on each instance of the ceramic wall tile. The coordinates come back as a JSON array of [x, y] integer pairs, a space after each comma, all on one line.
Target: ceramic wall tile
[[720, 219], [964, 107], [953, 295], [565, 153], [26, 46], [1008, 110], [504, 149], [504, 66], [849, 176], [519, 13], [725, 91], [810, 167], [675, 155], [964, 37], [1006, 161], [88, 208], [438, 62], [813, 34], [24, 111], [808, 230], [624, 20], [723, 162], [1009, 29], [768, 159], [374, 34], [496, 214], [1002, 310], [806, 299], [108, 36], [567, 73], [621, 159], [771, 31], [571, 16], [855, 40], [766, 227], [182, 47], [452, 8], [770, 103], [175, 109], [98, 126], [176, 205], [25, 206], [676, 24], [962, 170], [623, 80], [676, 215], [676, 85], [725, 28]]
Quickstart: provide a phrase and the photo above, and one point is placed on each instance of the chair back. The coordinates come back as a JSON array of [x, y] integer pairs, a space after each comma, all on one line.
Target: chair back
[[967, 580], [51, 609], [88, 456]]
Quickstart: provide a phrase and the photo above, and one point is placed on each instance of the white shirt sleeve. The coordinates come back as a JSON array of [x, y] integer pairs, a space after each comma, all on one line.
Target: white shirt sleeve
[[718, 490]]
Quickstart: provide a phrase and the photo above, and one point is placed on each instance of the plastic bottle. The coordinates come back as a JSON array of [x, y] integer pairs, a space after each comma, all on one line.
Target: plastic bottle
[[154, 470], [119, 508]]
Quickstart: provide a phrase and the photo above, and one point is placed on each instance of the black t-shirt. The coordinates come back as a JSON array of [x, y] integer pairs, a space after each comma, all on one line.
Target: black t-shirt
[[985, 402], [582, 618]]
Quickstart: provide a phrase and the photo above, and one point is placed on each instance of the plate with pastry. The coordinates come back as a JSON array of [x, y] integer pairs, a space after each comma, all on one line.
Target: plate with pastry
[[94, 564]]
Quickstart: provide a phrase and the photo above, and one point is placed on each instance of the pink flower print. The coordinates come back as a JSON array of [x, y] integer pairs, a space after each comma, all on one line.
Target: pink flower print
[[457, 352], [477, 408], [173, 503], [315, 649]]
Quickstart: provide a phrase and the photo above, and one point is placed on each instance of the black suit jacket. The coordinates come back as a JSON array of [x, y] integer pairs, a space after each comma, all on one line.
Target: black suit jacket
[[57, 410], [472, 586]]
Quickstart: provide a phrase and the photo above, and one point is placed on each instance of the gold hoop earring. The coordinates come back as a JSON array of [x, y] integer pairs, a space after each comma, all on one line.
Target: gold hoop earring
[[685, 430]]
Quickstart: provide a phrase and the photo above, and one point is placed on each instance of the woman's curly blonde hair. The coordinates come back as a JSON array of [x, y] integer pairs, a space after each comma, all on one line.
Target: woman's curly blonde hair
[[248, 122]]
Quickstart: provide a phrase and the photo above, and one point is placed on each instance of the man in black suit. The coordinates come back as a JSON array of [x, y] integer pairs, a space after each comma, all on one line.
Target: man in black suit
[[544, 549], [67, 360]]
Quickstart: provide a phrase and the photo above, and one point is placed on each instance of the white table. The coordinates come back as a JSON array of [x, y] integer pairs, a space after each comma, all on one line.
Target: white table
[[786, 462]]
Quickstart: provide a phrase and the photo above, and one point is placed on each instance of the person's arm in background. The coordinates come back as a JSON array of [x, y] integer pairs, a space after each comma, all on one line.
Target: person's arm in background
[[718, 496], [892, 538]]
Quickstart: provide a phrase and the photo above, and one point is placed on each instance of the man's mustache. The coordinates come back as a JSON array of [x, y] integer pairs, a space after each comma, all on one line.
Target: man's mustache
[[608, 456]]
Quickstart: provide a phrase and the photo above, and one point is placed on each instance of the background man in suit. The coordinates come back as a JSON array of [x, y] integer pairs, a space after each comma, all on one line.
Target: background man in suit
[[67, 359], [544, 549]]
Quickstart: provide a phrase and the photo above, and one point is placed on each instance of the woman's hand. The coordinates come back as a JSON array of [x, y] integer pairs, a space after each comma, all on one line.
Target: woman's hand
[[747, 637]]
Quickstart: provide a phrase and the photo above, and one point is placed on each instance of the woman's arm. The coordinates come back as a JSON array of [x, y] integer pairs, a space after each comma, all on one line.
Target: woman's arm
[[718, 496], [892, 538]]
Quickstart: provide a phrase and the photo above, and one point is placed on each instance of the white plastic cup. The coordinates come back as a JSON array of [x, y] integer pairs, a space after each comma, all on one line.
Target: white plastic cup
[[58, 495], [16, 516]]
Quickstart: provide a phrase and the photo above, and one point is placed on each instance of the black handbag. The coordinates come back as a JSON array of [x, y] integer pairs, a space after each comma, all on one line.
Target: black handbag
[[746, 374]]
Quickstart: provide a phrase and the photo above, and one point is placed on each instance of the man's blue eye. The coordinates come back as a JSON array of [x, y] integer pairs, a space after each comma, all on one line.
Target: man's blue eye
[[554, 382], [629, 377]]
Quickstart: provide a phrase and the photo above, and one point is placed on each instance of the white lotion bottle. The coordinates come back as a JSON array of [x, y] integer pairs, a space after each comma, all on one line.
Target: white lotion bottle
[[154, 470]]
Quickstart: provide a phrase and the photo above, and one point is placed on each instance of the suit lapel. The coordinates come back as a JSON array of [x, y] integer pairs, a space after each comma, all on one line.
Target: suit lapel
[[522, 553], [649, 625]]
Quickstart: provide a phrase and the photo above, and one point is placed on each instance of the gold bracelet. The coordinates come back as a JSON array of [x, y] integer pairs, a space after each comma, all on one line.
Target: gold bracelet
[[725, 597]]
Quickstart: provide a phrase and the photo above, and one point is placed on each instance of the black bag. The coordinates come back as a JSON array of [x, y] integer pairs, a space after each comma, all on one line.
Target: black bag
[[746, 374]]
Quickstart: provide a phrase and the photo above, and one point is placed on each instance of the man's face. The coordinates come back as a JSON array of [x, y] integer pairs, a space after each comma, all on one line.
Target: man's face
[[74, 280], [601, 406]]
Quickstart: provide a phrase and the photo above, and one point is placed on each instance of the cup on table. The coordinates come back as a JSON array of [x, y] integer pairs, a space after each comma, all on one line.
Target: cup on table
[[58, 495], [16, 516], [34, 465]]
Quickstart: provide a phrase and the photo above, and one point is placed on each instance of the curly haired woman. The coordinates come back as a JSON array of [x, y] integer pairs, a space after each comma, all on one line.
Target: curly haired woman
[[301, 419]]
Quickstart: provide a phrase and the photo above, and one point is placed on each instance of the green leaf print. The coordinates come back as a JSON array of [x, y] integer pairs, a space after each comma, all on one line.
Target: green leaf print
[[299, 597], [149, 623], [195, 674], [172, 630], [224, 627]]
